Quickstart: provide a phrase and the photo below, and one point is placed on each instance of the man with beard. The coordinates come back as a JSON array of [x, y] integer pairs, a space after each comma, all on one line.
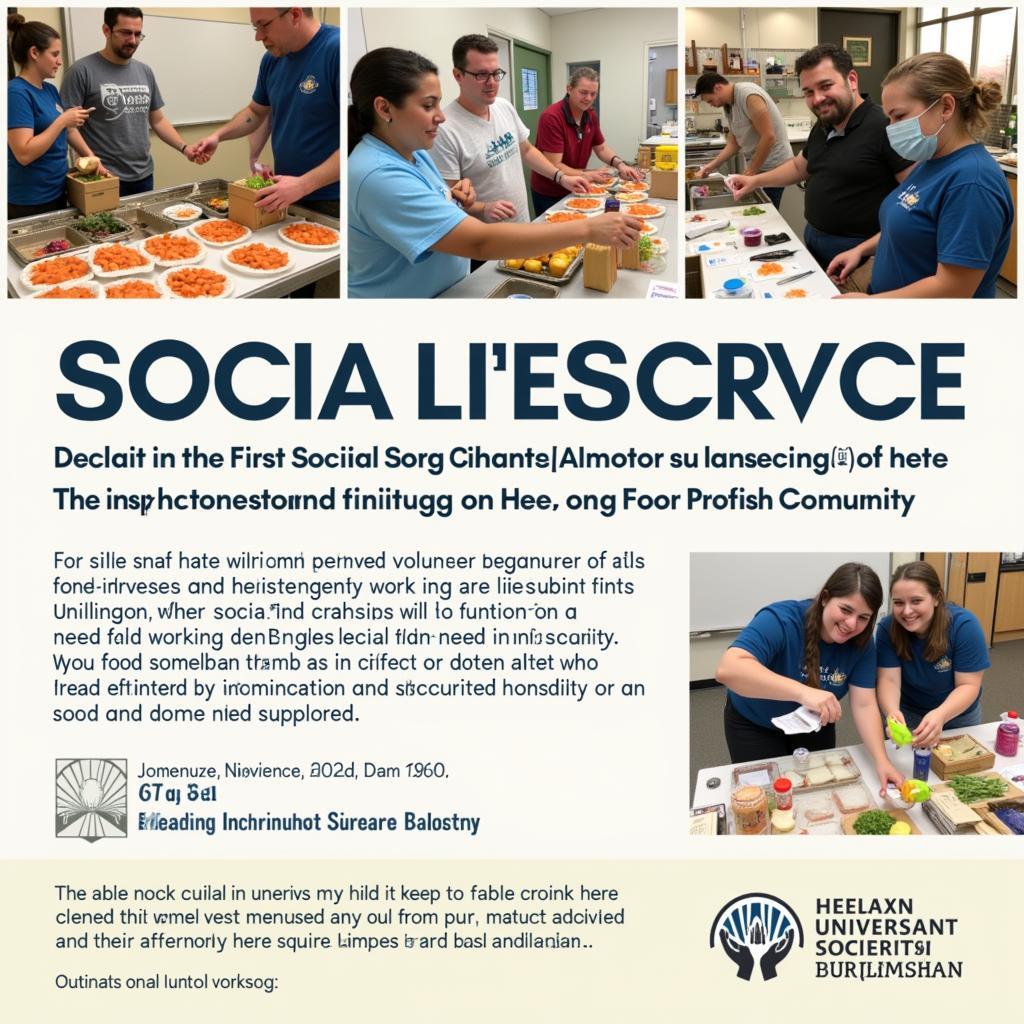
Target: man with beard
[[127, 101], [847, 162]]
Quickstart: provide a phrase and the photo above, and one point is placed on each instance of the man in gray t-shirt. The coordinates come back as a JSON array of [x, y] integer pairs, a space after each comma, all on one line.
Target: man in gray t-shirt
[[756, 127], [127, 102]]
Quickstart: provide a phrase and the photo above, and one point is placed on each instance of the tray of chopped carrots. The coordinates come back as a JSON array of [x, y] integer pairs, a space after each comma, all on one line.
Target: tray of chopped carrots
[[196, 283], [118, 259], [173, 250], [219, 233], [57, 270], [258, 259], [647, 210], [584, 203], [134, 288], [86, 290], [304, 234]]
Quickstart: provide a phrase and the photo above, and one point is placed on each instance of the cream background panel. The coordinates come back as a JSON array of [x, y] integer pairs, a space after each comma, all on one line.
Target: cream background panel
[[655, 967]]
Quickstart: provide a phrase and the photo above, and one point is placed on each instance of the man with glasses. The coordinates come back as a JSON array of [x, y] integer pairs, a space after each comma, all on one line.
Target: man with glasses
[[484, 139], [297, 97], [127, 101]]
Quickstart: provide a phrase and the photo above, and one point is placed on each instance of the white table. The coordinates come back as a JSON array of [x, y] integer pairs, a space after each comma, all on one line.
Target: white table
[[706, 795], [729, 257]]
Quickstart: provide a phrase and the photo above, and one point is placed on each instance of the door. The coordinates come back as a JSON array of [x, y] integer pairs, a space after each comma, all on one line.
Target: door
[[531, 88], [881, 27], [973, 584]]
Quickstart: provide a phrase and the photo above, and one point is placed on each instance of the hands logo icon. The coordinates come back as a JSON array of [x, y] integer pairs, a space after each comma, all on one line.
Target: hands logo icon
[[756, 930]]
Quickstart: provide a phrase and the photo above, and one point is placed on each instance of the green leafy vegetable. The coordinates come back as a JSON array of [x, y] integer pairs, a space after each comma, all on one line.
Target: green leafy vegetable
[[257, 182], [753, 211], [645, 247], [100, 224], [970, 789], [88, 177], [873, 823]]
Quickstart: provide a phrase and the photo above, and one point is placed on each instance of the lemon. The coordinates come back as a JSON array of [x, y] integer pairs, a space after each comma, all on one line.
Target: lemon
[[899, 828], [533, 267], [558, 265]]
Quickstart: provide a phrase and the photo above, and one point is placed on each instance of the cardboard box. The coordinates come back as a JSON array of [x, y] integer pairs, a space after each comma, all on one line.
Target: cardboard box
[[629, 259], [94, 196], [242, 208], [664, 184], [600, 269]]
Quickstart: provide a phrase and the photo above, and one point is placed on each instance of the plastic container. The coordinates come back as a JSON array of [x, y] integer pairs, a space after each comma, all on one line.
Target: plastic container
[[922, 763], [735, 288], [612, 205], [666, 158], [801, 759], [751, 236], [783, 794], [750, 811]]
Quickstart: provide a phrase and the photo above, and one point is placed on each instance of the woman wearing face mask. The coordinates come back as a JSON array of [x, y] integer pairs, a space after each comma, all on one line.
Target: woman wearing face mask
[[807, 653], [409, 236], [946, 229], [932, 656], [38, 127]]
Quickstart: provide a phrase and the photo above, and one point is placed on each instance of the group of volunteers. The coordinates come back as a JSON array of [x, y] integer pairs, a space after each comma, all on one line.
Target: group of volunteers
[[109, 101], [416, 218], [902, 195], [922, 667]]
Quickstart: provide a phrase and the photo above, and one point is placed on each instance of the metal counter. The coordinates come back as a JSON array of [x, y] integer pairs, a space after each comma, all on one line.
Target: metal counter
[[142, 213]]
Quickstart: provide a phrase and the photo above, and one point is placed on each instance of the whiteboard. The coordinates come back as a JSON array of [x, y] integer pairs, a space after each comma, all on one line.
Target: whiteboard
[[205, 70], [728, 588]]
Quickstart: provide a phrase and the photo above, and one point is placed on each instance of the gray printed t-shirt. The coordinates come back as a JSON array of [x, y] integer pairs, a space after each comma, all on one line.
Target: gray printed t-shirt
[[486, 152], [118, 129], [742, 127]]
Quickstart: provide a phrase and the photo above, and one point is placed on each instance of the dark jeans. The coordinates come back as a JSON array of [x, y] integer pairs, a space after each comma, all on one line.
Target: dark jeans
[[824, 247], [16, 210], [775, 195], [541, 204], [751, 742], [133, 188]]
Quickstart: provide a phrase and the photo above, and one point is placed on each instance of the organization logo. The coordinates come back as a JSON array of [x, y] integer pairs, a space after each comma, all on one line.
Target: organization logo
[[117, 100], [309, 85], [943, 664], [909, 197], [92, 799], [757, 930]]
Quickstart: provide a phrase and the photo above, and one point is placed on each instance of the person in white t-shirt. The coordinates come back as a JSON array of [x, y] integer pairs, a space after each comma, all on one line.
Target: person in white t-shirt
[[484, 139]]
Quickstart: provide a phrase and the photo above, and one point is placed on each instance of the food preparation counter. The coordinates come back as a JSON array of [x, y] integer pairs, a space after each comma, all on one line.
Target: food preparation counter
[[629, 284], [143, 213], [714, 785], [703, 142], [724, 256]]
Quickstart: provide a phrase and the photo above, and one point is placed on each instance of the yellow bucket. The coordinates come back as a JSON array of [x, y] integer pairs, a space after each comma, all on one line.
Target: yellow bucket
[[666, 157]]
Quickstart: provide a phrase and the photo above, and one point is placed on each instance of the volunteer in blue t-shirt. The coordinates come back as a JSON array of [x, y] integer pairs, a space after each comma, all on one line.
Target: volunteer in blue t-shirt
[[945, 230], [932, 656], [38, 127], [297, 98], [409, 234], [828, 640]]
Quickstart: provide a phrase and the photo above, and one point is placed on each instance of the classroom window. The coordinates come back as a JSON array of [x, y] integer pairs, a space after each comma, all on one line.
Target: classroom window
[[982, 38]]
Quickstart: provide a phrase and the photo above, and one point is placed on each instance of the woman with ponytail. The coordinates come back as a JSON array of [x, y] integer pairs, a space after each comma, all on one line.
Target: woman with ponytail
[[945, 229], [38, 127], [409, 234], [807, 654], [932, 656]]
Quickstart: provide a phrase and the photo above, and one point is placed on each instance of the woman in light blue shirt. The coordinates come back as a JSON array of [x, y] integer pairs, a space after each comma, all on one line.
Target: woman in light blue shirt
[[409, 234]]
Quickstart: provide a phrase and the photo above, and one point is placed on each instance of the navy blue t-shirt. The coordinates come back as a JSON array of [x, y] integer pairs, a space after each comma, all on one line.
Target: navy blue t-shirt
[[41, 181], [302, 91], [925, 685], [954, 209], [775, 636]]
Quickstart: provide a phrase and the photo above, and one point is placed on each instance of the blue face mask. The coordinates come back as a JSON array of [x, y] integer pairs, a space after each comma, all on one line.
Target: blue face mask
[[907, 139]]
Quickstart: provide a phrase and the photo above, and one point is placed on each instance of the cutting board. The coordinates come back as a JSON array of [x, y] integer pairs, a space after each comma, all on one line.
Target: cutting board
[[849, 819]]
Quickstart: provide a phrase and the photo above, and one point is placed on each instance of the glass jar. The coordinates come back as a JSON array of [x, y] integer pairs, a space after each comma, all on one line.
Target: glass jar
[[783, 794], [1007, 739], [750, 811]]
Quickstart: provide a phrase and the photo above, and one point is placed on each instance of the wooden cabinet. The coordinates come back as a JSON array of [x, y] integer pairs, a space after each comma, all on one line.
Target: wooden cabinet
[[1010, 607], [671, 87]]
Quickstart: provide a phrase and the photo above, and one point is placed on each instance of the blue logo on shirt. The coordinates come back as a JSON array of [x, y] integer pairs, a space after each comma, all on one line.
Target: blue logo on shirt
[[499, 150], [908, 198], [943, 664], [309, 85]]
